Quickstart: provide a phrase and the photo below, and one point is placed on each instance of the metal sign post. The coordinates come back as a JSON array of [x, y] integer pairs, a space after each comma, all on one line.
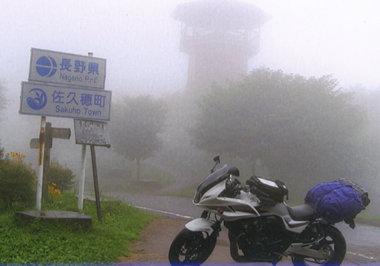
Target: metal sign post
[[93, 133], [67, 85], [40, 163]]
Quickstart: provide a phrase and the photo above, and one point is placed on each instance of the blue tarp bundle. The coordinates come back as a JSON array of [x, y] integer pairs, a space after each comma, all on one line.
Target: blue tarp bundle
[[334, 201]]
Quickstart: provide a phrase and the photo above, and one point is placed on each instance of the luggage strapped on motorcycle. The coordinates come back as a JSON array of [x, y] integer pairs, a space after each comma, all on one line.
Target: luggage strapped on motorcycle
[[361, 191], [337, 201]]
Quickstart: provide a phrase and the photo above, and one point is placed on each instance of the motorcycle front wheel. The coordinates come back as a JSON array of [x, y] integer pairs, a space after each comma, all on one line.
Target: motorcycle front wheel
[[333, 245], [191, 248]]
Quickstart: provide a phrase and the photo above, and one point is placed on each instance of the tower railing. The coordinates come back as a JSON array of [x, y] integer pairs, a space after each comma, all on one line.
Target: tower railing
[[243, 40]]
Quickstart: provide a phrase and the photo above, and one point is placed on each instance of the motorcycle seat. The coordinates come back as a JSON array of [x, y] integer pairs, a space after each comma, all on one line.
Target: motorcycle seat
[[302, 212]]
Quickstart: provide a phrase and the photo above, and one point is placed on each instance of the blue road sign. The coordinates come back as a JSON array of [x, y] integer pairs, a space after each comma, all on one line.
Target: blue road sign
[[67, 69], [51, 100]]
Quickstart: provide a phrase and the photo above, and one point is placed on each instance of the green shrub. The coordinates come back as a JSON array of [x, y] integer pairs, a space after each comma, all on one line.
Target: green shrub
[[43, 243], [1, 154], [60, 177], [17, 183]]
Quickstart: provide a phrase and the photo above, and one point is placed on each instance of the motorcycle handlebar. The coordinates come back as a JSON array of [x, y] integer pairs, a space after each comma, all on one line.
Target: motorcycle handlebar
[[258, 191], [235, 186]]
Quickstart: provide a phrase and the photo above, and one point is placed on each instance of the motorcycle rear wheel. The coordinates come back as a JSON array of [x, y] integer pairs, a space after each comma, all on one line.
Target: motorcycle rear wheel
[[333, 244], [191, 248]]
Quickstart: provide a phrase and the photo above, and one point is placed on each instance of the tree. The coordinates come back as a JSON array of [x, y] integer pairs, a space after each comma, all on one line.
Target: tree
[[1, 153], [3, 100], [60, 177], [298, 127], [17, 182], [135, 127]]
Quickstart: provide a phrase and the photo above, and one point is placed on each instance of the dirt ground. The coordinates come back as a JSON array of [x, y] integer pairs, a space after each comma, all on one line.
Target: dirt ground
[[157, 238], [155, 241]]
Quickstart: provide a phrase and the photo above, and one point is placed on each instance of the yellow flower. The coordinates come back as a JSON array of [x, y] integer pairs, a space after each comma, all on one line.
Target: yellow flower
[[54, 191], [16, 155]]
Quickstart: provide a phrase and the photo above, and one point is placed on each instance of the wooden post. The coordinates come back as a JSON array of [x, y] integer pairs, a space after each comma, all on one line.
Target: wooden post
[[96, 183], [82, 178], [44, 143], [48, 146]]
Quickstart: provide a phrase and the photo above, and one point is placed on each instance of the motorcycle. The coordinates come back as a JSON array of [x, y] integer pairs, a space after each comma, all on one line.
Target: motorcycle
[[261, 226]]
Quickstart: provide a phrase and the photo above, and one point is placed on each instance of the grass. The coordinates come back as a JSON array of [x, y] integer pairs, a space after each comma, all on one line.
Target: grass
[[39, 242]]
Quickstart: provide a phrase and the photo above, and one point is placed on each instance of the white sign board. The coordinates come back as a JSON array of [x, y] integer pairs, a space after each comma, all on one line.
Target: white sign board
[[50, 100], [91, 133], [67, 69]]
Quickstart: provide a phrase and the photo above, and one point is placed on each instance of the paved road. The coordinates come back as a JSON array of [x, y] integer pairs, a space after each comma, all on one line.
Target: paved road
[[363, 243]]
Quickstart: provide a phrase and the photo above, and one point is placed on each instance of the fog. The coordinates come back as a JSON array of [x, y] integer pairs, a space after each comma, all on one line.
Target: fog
[[140, 41]]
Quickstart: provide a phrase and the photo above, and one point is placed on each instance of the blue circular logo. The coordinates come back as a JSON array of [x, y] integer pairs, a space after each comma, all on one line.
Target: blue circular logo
[[38, 99], [46, 66]]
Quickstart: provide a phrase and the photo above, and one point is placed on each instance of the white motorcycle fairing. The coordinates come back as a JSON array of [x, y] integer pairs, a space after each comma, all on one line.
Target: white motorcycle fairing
[[212, 201], [200, 225]]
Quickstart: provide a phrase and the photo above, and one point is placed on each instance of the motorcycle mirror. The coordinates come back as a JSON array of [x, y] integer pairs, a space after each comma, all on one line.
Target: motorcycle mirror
[[217, 161], [217, 158]]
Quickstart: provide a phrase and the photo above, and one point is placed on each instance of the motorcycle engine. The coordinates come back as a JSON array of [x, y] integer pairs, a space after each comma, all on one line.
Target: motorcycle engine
[[262, 239]]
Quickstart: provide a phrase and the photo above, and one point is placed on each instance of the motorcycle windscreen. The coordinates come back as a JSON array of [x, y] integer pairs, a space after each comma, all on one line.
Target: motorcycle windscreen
[[210, 181]]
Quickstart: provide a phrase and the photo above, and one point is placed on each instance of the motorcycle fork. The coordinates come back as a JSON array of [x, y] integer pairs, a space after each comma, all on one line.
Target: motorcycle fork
[[216, 226]]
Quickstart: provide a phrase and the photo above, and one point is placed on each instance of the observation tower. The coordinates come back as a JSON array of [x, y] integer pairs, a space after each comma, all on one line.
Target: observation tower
[[220, 36]]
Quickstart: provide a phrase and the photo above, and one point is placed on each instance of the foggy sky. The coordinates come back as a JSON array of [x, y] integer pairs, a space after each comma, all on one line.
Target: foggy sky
[[140, 41]]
